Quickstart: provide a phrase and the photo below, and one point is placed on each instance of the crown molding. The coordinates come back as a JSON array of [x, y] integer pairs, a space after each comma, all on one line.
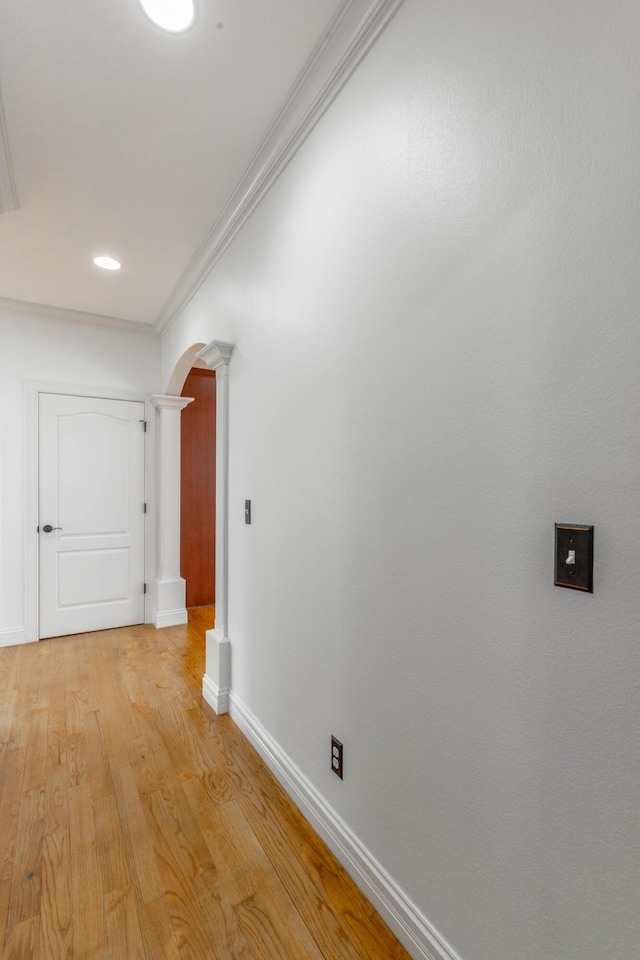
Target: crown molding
[[8, 192], [350, 35], [75, 316]]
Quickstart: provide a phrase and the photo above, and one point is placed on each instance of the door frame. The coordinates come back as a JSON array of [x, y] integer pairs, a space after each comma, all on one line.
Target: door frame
[[33, 389], [208, 373]]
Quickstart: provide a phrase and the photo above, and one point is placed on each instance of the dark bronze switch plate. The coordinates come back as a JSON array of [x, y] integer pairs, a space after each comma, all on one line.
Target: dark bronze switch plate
[[574, 556]]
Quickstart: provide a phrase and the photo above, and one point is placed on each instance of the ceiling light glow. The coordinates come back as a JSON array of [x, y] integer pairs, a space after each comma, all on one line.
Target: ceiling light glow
[[172, 15], [107, 263]]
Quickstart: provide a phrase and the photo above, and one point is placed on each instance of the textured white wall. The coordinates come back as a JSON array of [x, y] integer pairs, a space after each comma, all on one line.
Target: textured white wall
[[436, 319], [39, 348]]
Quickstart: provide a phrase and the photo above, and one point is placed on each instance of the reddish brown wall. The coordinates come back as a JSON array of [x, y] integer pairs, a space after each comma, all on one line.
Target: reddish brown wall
[[198, 488]]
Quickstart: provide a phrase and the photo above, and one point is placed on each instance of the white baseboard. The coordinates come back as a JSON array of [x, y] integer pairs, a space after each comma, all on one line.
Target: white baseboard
[[414, 931], [217, 699], [9, 638], [170, 618]]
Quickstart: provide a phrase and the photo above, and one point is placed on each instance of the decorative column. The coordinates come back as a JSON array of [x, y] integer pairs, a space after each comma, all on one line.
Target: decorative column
[[169, 606], [216, 682]]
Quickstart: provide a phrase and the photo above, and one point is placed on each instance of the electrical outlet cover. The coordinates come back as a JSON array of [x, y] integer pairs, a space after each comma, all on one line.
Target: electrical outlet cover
[[337, 757]]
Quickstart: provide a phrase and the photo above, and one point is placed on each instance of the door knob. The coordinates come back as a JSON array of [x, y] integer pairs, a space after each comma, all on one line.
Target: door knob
[[48, 528]]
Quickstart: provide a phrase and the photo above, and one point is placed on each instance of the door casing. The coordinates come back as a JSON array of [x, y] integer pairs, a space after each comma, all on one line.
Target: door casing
[[32, 585]]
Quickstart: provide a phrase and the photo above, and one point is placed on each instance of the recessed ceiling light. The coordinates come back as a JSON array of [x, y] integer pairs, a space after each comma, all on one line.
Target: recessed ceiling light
[[107, 263], [172, 15]]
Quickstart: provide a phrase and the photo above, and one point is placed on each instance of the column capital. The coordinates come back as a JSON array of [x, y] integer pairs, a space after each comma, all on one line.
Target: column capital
[[216, 354], [170, 402]]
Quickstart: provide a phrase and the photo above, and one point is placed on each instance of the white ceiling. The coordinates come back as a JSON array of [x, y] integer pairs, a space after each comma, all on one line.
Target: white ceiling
[[125, 140]]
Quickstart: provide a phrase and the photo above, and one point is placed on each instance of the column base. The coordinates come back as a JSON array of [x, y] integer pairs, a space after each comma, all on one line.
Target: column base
[[216, 683], [170, 609]]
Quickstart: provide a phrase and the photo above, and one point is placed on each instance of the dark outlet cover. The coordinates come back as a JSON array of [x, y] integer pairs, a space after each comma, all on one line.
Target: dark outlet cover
[[574, 556], [337, 757]]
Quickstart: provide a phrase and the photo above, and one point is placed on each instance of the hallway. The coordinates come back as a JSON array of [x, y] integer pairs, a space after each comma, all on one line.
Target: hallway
[[136, 825]]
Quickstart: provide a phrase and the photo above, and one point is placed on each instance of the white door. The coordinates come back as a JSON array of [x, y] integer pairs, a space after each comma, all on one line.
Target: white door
[[91, 513]]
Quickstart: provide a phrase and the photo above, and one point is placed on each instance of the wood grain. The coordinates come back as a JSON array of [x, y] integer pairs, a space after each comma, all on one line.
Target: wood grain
[[22, 940], [136, 824], [24, 898], [198, 487], [89, 935], [123, 926], [110, 845], [138, 838], [158, 934], [56, 930]]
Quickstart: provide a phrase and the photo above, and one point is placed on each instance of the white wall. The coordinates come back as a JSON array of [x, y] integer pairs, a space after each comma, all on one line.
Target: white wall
[[436, 320], [53, 351]]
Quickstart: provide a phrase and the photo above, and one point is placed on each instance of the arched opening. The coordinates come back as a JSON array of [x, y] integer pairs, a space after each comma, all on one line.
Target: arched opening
[[217, 356], [182, 368], [192, 378]]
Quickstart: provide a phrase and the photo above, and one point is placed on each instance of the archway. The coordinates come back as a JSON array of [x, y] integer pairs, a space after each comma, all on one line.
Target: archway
[[216, 356], [197, 475], [181, 370]]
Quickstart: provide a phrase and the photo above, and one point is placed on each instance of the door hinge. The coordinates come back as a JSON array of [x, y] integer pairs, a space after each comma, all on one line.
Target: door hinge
[[144, 425], [144, 588], [144, 508]]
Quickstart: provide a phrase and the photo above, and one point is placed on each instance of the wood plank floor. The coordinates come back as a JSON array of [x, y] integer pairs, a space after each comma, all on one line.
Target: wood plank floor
[[137, 825]]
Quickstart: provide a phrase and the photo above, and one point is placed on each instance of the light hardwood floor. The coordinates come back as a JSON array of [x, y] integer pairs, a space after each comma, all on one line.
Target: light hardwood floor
[[137, 825]]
